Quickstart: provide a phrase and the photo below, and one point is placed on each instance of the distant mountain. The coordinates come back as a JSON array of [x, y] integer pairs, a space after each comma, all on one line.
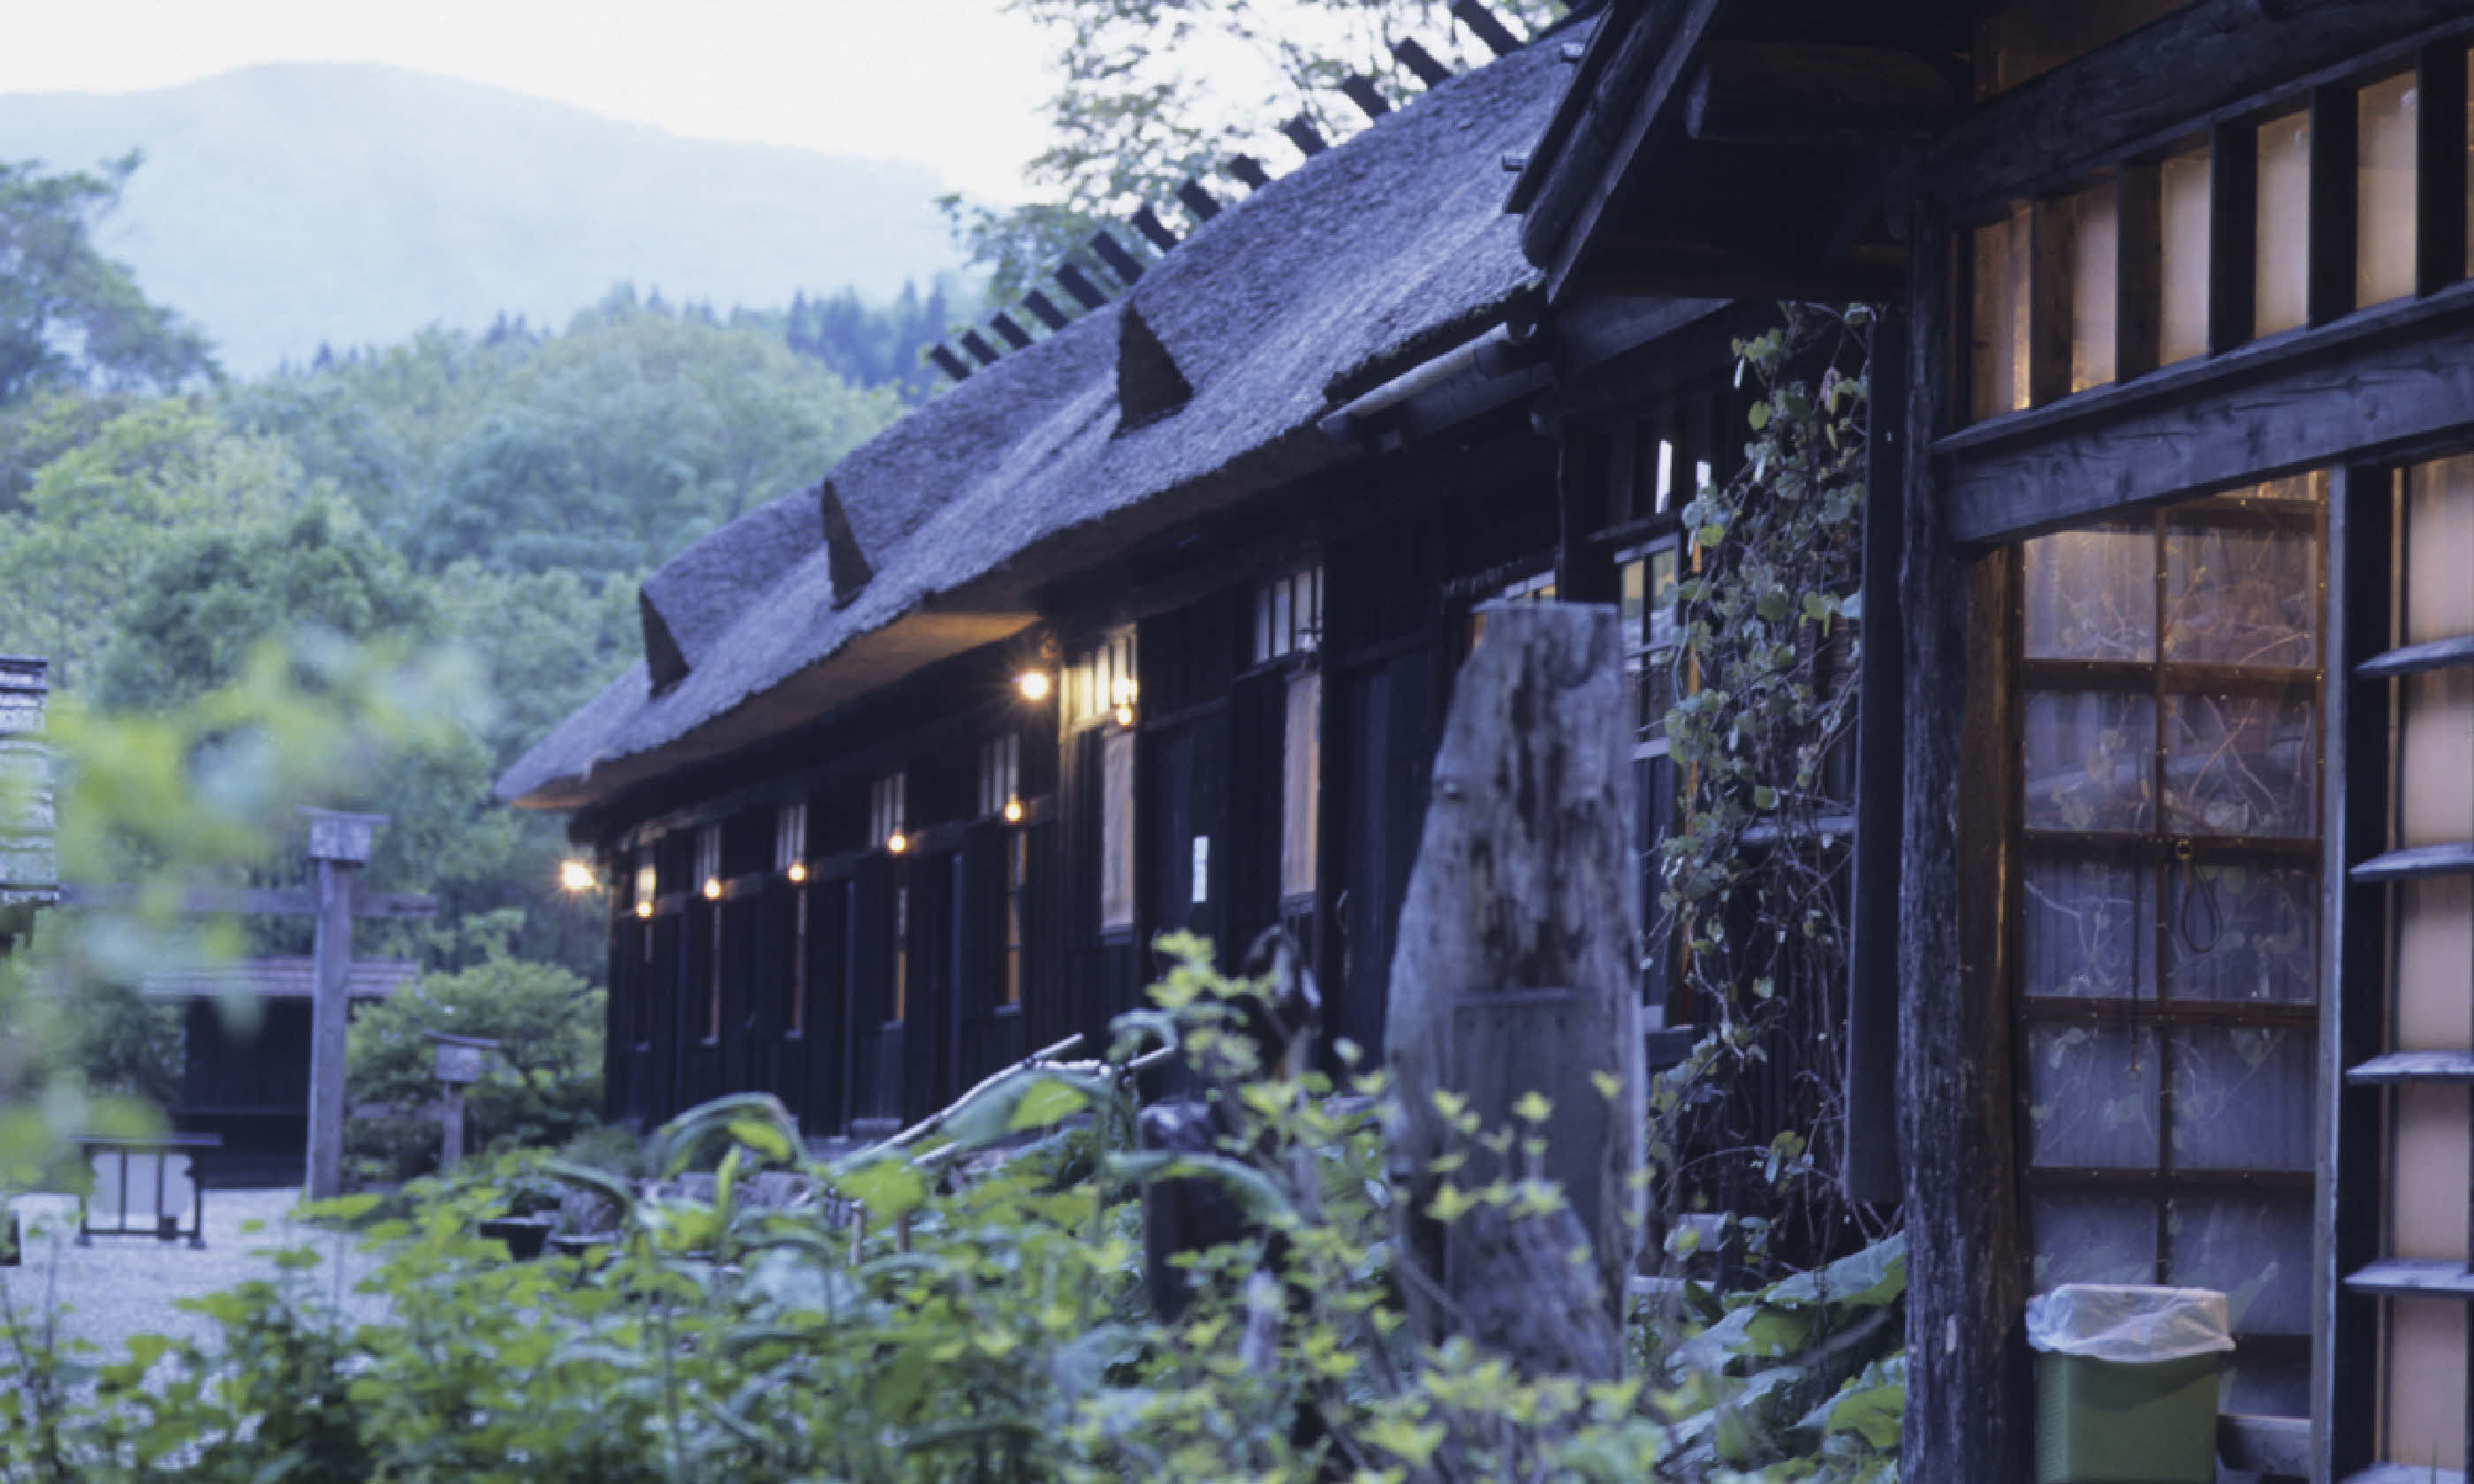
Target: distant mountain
[[293, 203]]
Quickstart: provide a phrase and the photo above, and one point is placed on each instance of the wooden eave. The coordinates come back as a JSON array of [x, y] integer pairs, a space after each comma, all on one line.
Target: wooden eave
[[1642, 187]]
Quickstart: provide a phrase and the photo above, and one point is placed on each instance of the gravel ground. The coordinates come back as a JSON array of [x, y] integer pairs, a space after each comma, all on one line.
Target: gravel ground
[[124, 1286]]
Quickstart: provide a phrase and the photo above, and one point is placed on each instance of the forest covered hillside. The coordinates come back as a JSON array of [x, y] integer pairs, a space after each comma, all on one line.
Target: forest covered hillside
[[287, 207]]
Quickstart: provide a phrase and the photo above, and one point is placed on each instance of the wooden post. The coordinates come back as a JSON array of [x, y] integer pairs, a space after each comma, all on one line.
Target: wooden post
[[340, 845], [451, 1125], [1967, 1407], [1517, 972]]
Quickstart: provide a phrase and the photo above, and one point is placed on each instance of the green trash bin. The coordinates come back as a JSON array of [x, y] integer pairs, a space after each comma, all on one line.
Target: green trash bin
[[2126, 1383]]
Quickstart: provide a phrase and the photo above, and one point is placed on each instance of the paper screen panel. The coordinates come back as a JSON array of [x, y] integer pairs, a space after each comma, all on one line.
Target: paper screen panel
[[2425, 1376], [2384, 219], [2282, 268], [2096, 251], [2440, 550], [2427, 1205], [1998, 351], [2436, 760], [2435, 964], [2184, 275]]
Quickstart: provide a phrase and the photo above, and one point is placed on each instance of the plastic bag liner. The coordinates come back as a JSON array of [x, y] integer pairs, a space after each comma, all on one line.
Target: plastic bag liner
[[2128, 1324]]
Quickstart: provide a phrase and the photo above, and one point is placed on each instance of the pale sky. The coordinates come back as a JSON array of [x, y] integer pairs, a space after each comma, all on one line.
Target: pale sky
[[964, 79]]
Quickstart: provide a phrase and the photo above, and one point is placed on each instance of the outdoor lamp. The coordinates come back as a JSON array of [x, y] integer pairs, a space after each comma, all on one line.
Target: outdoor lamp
[[575, 877], [897, 842], [1033, 685], [713, 888], [798, 871], [1013, 811]]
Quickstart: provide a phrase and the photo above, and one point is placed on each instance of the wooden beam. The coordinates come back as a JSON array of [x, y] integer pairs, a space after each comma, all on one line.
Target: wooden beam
[[2439, 194], [2334, 175], [1967, 1412], [2210, 55], [2386, 380], [1628, 96], [2233, 235], [1803, 94], [240, 901]]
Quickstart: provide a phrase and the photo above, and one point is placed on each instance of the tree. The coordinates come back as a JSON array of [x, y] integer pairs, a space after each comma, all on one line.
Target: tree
[[116, 496], [1155, 92], [69, 317]]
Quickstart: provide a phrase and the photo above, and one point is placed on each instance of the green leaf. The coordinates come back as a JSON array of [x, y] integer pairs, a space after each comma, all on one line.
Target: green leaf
[[1047, 1101], [1759, 417]]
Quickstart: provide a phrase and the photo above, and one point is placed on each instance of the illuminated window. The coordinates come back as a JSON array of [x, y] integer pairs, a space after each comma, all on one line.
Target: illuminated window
[[789, 836], [1301, 784], [707, 872], [1998, 356], [1017, 889], [2383, 172], [1288, 615], [2182, 276], [2281, 297], [2095, 219], [1117, 830], [1000, 774], [647, 882], [1647, 608], [885, 820], [1099, 684]]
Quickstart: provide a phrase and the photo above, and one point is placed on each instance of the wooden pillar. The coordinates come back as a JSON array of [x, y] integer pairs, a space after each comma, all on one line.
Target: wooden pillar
[[1967, 1418], [451, 1125], [330, 1015], [1514, 974], [340, 845]]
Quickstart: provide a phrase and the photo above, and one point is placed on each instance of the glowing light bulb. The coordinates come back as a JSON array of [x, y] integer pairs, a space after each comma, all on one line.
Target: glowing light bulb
[[1124, 716], [798, 871], [713, 888], [643, 909], [1013, 811], [897, 842], [575, 877], [1032, 684]]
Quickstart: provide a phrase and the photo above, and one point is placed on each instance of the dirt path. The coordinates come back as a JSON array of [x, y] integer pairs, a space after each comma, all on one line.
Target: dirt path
[[124, 1286]]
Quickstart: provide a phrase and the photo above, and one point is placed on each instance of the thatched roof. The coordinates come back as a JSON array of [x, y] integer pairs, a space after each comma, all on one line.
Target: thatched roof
[[1367, 258]]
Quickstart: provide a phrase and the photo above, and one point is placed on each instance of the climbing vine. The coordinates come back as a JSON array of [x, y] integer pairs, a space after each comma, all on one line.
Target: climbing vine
[[1756, 869]]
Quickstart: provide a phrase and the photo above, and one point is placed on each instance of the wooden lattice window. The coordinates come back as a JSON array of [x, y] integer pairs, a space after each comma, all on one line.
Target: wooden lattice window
[[2168, 909]]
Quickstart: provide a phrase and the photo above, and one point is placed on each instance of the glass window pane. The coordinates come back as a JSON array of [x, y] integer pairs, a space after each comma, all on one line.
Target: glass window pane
[[2281, 261], [2184, 317], [2242, 1098], [2242, 596], [2096, 243], [2091, 595], [2090, 928], [1634, 597], [2254, 1250], [2242, 765], [2092, 1239], [2383, 156], [2088, 756], [2242, 934], [2091, 1097]]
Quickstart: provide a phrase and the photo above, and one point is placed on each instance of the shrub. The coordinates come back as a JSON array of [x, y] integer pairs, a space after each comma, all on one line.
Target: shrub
[[540, 1088]]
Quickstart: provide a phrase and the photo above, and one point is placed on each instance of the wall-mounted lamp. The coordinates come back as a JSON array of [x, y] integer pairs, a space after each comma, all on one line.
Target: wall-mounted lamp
[[1124, 716], [1033, 685], [897, 842], [1013, 811], [643, 909], [797, 872], [576, 877], [713, 888]]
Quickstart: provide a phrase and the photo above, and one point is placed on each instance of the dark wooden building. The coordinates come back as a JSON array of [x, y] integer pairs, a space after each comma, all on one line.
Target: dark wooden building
[[2165, 812]]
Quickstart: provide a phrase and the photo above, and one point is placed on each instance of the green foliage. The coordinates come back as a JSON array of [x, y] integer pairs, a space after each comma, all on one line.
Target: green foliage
[[540, 1088], [69, 317], [1153, 92], [1764, 667]]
